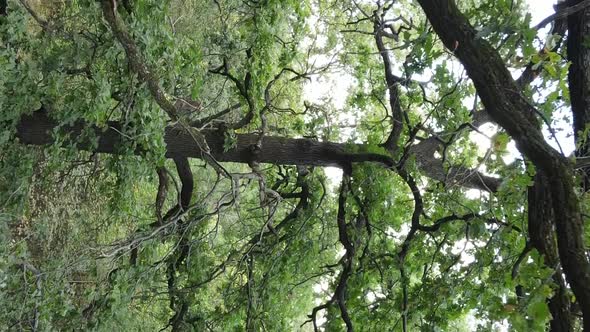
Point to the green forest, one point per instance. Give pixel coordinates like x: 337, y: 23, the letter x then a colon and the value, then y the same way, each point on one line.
x: 294, y: 165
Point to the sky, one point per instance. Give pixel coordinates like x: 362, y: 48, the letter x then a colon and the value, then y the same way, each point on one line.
x: 540, y: 9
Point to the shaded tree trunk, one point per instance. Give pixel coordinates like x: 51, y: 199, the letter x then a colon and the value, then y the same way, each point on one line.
x: 578, y: 53
x: 509, y: 108
x: 37, y: 129
x: 541, y: 219
x: 542, y: 237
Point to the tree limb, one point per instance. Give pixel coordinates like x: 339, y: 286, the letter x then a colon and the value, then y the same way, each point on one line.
x: 37, y: 128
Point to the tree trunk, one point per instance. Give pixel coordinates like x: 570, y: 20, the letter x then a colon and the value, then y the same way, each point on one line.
x: 541, y: 234
x: 36, y: 129
x: 578, y: 53
x: 509, y: 108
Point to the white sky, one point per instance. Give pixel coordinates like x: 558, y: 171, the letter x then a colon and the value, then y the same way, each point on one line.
x: 540, y: 9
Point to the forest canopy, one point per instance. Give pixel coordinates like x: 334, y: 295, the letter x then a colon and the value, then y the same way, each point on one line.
x: 283, y: 165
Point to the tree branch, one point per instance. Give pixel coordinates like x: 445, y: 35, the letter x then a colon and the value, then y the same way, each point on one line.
x: 562, y: 13
x: 149, y: 76
x: 392, y: 86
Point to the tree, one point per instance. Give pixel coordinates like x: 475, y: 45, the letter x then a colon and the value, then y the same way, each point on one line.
x: 429, y: 228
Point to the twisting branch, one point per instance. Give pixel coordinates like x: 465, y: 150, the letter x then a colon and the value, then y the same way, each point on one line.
x: 186, y: 190
x: 162, y: 193
x: 149, y: 76
x: 340, y: 293
x: 302, y: 205
x: 178, y: 301
x: 43, y: 23
x: 136, y: 61
x: 466, y: 217
x: 175, y: 213
x: 186, y: 178
x: 246, y: 251
x: 243, y: 88
x: 392, y: 84
x: 563, y: 13
x: 250, y: 291
x: 405, y: 247
x: 347, y: 262
x: 516, y: 268
x: 206, y: 120
x: 533, y: 70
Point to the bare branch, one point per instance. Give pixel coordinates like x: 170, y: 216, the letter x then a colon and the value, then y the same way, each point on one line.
x: 562, y: 13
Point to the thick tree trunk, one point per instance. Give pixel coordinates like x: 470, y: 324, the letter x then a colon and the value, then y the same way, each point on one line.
x: 542, y: 237
x: 506, y: 105
x: 36, y: 129
x: 541, y: 219
x: 578, y: 53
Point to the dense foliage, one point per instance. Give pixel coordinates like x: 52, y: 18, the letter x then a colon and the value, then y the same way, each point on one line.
x: 429, y: 220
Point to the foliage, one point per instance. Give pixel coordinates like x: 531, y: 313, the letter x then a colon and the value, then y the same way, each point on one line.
x: 69, y: 216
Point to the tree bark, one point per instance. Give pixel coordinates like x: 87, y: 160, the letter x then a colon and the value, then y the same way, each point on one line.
x: 506, y: 105
x: 542, y: 237
x: 36, y: 129
x: 578, y: 53
x: 541, y: 219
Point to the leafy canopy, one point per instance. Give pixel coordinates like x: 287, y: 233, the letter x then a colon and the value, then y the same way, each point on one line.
x: 267, y: 247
